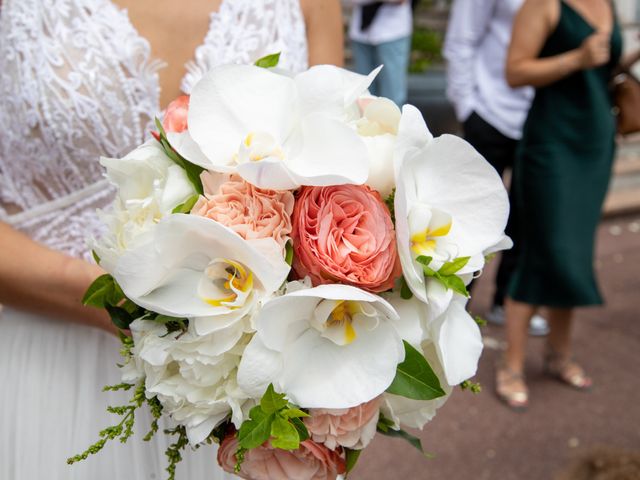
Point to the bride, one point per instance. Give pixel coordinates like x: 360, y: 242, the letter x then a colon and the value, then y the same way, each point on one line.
x: 80, y: 79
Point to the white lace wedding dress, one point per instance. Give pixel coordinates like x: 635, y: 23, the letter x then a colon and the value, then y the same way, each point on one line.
x: 76, y: 82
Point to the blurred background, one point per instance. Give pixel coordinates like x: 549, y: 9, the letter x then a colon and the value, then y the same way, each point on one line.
x: 565, y: 434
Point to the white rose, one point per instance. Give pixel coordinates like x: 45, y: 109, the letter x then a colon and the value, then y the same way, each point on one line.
x: 149, y: 186
x: 193, y: 376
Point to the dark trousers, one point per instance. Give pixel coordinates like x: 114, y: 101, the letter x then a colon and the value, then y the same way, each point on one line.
x: 500, y: 152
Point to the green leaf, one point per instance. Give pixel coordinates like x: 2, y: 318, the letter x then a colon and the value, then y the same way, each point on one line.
x: 405, y: 291
x: 257, y: 430
x: 268, y: 61
x: 293, y: 412
x: 120, y: 317
x: 414, y: 441
x: 424, y: 260
x: 192, y: 170
x: 284, y: 435
x: 415, y: 378
x: 97, y: 293
x: 352, y: 458
x: 455, y: 283
x: 450, y: 268
x: 288, y: 256
x: 187, y: 205
x: 384, y: 423
x: 115, y: 296
x: 95, y: 256
x: 303, y: 433
x: 271, y: 401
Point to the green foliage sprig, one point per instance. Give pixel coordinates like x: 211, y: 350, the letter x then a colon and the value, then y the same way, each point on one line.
x: 274, y: 419
x: 122, y: 430
x: 174, y: 451
x: 446, y: 275
x: 473, y: 387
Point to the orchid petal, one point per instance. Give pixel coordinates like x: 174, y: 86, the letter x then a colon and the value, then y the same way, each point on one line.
x: 234, y: 100
x: 164, y: 275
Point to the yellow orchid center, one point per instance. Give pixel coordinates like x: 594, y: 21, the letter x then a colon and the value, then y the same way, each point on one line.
x: 342, y: 316
x: 238, y: 281
x: 424, y: 242
x: 260, y: 145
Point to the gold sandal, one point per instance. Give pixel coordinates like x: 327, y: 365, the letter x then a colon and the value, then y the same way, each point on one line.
x: 511, y: 388
x: 566, y: 370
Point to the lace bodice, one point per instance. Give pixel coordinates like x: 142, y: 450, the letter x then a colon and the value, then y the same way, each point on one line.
x: 77, y: 81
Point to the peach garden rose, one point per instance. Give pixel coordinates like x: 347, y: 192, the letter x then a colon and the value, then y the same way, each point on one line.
x: 247, y: 210
x: 311, y: 461
x: 349, y: 427
x: 344, y: 234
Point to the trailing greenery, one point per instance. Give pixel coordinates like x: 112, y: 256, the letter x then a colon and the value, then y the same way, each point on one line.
x: 474, y: 387
x: 123, y: 430
x: 174, y: 451
x: 415, y: 378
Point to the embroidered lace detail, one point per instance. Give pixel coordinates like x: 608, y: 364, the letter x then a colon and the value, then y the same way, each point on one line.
x: 77, y: 81
x: 242, y: 31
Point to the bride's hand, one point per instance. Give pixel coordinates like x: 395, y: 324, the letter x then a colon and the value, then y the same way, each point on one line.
x: 37, y: 279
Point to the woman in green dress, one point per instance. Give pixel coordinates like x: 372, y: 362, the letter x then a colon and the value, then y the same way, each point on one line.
x: 568, y: 51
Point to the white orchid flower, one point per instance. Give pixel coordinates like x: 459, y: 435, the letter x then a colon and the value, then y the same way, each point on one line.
x: 454, y: 334
x: 277, y: 132
x: 378, y: 128
x: 196, y: 268
x: 450, y: 203
x: 150, y: 186
x: 332, y: 346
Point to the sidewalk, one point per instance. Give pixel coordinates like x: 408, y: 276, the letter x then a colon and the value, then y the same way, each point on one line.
x: 474, y: 437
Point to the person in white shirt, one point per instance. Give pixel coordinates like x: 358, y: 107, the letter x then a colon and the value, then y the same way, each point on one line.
x: 380, y: 34
x: 491, y: 112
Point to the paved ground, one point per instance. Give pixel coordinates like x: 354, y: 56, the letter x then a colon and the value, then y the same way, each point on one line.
x: 475, y: 438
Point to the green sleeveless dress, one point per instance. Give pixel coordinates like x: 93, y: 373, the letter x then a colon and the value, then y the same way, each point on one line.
x: 562, y: 173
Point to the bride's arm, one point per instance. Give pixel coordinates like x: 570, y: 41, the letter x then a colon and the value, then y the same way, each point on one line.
x: 40, y: 280
x: 323, y: 19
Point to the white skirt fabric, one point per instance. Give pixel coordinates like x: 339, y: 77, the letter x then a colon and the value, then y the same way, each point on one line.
x: 52, y: 407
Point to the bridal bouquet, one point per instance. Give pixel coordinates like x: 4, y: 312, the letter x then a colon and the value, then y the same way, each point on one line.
x: 291, y: 258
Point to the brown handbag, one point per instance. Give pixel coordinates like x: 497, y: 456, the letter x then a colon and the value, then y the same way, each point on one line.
x: 626, y: 97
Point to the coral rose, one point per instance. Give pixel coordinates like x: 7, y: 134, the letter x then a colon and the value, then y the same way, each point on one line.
x: 349, y: 427
x: 175, y: 116
x: 311, y: 461
x: 247, y: 210
x: 344, y: 234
